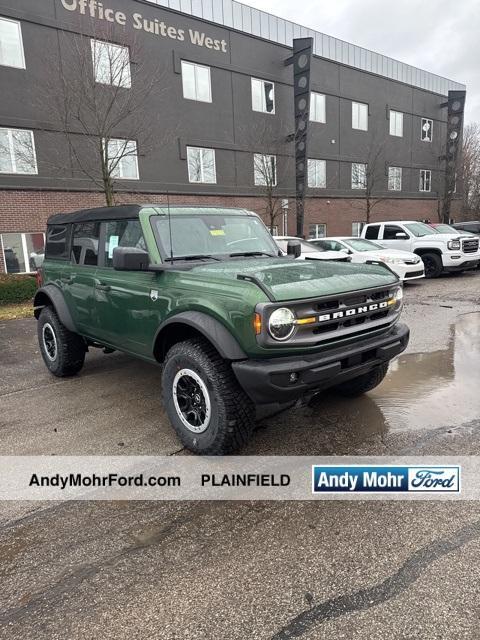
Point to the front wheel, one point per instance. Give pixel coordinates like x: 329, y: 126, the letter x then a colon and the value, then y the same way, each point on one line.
x: 362, y: 384
x: 207, y: 407
x: 433, y: 265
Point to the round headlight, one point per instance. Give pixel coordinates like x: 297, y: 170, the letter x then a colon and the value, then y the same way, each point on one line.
x: 281, y: 324
x: 398, y: 295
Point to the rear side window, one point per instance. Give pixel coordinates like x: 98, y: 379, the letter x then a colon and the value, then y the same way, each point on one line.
x: 122, y: 233
x: 372, y: 232
x: 57, y: 242
x: 85, y: 243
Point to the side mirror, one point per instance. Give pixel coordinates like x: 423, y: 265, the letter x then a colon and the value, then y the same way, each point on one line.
x: 294, y: 248
x: 401, y: 235
x: 130, y: 259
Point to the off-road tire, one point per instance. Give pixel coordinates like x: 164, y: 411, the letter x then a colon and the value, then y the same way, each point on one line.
x: 232, y: 416
x: 433, y: 265
x: 70, y: 347
x: 362, y: 384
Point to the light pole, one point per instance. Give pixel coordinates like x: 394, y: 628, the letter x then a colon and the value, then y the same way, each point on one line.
x: 285, y: 216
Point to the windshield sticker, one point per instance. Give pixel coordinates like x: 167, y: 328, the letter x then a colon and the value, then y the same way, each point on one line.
x: 217, y: 232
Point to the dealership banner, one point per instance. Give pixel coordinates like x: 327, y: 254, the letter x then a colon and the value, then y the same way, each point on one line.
x: 187, y: 477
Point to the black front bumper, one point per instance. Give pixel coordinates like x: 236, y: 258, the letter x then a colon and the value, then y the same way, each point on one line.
x: 462, y: 266
x: 267, y: 381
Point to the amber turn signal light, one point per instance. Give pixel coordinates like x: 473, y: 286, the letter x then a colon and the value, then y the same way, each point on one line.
x: 257, y: 323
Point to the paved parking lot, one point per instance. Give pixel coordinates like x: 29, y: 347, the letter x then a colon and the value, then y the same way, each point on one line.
x: 229, y: 571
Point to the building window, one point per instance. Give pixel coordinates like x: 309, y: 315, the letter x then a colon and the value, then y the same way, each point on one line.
x: 11, y: 44
x: 201, y: 165
x: 196, y: 82
x: 426, y: 130
x: 17, y: 151
x: 263, y: 96
x: 425, y: 180
x: 111, y: 64
x: 317, y: 107
x: 265, y: 170
x: 317, y: 174
x: 360, y: 116
x: 396, y: 123
x: 357, y: 228
x: 123, y: 159
x: 359, y: 175
x: 317, y: 231
x: 394, y: 178
x: 22, y: 252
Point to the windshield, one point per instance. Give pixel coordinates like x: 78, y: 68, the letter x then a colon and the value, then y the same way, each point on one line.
x: 419, y: 229
x: 212, y: 234
x: 308, y: 247
x: 446, y: 228
x: 362, y: 245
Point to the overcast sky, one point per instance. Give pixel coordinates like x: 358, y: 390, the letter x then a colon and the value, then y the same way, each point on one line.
x: 441, y: 36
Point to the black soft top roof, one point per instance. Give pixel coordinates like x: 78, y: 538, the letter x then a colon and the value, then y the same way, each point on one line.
x: 125, y: 211
x: 129, y: 211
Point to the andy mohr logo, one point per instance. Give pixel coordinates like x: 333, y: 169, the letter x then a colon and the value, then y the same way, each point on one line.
x: 384, y: 478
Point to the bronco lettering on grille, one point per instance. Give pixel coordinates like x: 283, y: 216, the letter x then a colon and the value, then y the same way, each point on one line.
x: 353, y: 312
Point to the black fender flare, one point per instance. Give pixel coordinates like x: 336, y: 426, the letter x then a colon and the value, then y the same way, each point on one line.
x: 213, y: 330
x: 50, y: 293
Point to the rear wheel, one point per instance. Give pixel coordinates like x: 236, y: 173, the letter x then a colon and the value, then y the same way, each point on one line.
x: 362, y: 384
x: 433, y: 265
x: 62, y: 350
x: 207, y: 407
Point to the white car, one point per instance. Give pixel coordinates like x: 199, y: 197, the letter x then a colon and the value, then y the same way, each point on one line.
x: 407, y: 265
x: 440, y: 252
x: 309, y: 251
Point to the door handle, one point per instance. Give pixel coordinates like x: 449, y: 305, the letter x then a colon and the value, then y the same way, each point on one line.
x: 102, y: 287
x: 67, y: 279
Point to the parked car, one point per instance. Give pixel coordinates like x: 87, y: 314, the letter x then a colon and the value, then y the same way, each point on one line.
x: 440, y: 252
x: 441, y: 227
x: 203, y: 292
x: 309, y: 251
x: 36, y: 259
x: 471, y: 226
x: 407, y: 265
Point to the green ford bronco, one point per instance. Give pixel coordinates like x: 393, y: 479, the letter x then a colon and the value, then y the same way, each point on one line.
x: 206, y: 292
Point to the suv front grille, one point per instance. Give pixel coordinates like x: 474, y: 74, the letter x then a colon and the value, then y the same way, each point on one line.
x: 470, y: 245
x: 341, y: 317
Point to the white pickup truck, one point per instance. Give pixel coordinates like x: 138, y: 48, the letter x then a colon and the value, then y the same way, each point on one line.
x: 439, y: 251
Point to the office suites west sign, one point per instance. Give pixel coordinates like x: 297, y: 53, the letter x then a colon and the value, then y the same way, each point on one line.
x: 98, y: 11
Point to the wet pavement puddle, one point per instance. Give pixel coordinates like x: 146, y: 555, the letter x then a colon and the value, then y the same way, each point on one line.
x: 439, y: 388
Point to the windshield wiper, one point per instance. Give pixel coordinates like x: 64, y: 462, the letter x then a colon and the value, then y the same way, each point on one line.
x: 197, y: 257
x: 251, y: 253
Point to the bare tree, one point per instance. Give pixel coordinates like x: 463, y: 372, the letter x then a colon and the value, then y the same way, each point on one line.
x: 369, y: 176
x: 272, y: 167
x: 470, y: 170
x: 100, y: 107
x: 265, y: 171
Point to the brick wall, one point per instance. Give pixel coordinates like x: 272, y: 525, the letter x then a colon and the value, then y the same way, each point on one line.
x: 27, y: 211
